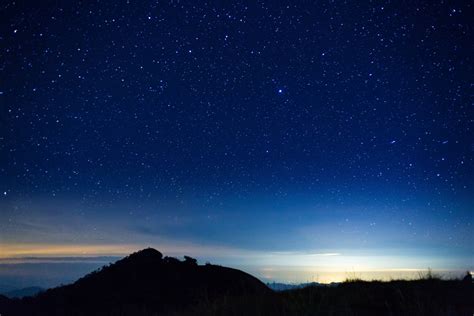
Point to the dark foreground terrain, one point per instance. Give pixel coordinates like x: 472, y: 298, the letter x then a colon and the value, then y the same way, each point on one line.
x: 145, y: 283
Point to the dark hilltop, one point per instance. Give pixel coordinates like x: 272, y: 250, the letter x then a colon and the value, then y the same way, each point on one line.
x: 146, y: 283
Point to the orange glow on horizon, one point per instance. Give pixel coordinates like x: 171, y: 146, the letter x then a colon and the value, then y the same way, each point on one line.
x: 60, y: 250
x: 319, y: 267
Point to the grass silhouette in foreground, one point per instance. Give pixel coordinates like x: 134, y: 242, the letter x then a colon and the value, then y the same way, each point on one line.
x: 430, y: 296
x: 146, y: 283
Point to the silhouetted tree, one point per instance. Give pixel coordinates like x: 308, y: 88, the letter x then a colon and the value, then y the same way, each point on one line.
x: 468, y: 277
x: 190, y: 261
x: 171, y: 260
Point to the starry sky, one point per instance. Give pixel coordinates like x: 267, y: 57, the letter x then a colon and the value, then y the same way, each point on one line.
x: 276, y: 137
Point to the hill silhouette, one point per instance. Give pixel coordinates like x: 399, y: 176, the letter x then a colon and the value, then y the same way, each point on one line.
x: 145, y: 282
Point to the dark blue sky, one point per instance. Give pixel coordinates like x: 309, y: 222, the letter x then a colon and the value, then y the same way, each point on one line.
x: 333, y: 128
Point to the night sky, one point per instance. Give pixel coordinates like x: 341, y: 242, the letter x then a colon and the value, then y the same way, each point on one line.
x: 326, y: 137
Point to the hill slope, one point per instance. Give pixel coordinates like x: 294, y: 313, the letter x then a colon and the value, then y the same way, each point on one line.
x: 142, y: 283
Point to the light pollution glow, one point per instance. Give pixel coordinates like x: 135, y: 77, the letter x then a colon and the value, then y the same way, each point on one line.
x: 321, y: 266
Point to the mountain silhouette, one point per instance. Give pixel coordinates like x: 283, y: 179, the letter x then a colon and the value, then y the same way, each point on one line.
x: 27, y: 291
x: 144, y: 283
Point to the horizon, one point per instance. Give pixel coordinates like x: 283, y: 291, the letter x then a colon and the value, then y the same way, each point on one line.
x: 300, y: 141
x: 71, y: 268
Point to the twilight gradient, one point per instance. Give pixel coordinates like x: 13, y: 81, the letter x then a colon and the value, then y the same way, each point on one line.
x: 295, y: 141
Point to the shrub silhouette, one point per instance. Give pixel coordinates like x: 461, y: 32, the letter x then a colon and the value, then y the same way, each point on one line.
x: 190, y: 261
x: 467, y: 278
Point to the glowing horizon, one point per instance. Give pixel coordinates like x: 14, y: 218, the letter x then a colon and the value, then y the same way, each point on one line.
x: 255, y: 136
x: 323, y: 261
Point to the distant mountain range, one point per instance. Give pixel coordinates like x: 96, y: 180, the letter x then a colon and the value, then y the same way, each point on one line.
x: 288, y: 286
x: 27, y: 291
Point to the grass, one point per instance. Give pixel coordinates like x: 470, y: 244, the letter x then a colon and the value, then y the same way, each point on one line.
x: 429, y: 294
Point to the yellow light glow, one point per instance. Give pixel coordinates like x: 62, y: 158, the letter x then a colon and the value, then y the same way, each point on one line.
x: 59, y: 250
